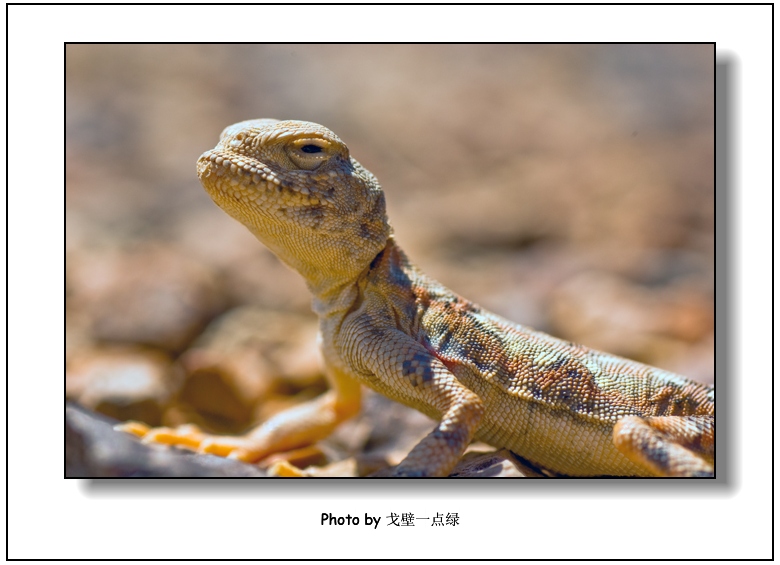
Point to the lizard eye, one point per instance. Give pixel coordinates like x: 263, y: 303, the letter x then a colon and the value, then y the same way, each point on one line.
x: 308, y: 154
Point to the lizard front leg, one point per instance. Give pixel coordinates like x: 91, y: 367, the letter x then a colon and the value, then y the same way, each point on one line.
x: 668, y: 446
x: 292, y: 428
x: 403, y: 369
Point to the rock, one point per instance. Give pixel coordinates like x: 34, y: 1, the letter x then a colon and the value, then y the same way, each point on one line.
x: 94, y: 449
x: 286, y: 340
x: 501, y: 463
x: 479, y: 465
x: 126, y: 383
x: 222, y: 389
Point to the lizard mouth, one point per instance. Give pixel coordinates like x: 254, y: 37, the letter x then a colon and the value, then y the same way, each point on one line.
x: 232, y: 178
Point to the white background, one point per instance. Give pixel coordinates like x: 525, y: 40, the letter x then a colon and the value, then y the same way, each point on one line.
x: 50, y: 517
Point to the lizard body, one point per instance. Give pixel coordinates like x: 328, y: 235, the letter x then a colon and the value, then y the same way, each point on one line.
x: 383, y: 323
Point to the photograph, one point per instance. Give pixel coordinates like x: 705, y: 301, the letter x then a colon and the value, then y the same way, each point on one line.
x: 372, y: 261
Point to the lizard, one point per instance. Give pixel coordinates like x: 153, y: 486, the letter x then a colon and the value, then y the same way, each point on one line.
x: 384, y: 324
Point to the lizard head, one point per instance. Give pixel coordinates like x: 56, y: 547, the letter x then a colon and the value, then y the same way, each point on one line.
x: 295, y: 186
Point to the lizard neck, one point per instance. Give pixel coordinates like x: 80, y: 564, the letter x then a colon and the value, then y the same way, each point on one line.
x: 333, y: 298
x: 337, y: 297
x: 334, y: 267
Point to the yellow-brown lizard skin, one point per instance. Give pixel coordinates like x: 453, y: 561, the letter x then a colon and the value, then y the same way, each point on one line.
x: 383, y: 323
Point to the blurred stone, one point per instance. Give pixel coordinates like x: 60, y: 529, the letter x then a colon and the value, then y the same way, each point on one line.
x: 127, y: 383
x: 249, y: 273
x: 696, y: 361
x: 223, y: 386
x: 76, y: 450
x: 150, y: 294
x: 286, y: 341
x: 609, y: 313
x: 77, y: 333
x: 246, y: 359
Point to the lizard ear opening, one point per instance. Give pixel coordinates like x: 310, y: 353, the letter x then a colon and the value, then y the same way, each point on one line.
x: 308, y: 154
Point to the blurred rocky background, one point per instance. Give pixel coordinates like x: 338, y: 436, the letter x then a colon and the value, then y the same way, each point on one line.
x: 569, y: 188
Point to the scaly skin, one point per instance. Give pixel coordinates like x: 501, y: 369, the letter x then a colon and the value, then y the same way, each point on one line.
x: 383, y: 323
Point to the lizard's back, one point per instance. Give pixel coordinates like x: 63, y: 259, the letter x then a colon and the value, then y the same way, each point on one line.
x: 551, y: 400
